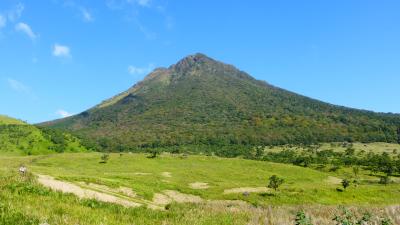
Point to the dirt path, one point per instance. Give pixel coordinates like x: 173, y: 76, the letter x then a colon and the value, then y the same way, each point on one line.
x: 67, y: 187
x: 166, y: 174
x: 333, y: 180
x: 199, y: 185
x: 246, y: 189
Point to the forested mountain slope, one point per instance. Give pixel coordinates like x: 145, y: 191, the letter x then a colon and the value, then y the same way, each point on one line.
x: 202, y: 101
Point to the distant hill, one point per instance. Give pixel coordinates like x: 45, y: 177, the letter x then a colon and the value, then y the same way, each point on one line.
x: 200, y: 101
x: 18, y: 137
x: 8, y: 120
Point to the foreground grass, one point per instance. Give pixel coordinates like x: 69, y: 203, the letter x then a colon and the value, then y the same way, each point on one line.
x: 23, y: 201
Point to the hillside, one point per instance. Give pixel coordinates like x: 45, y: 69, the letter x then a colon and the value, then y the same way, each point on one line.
x: 18, y: 137
x: 200, y: 101
x: 8, y: 120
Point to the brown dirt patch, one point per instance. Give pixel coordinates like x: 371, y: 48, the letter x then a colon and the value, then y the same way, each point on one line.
x: 199, y: 185
x: 246, y: 189
x: 166, y: 174
x: 71, y: 188
x: 333, y: 180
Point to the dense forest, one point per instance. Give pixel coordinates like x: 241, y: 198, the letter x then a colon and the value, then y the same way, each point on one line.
x: 203, y: 102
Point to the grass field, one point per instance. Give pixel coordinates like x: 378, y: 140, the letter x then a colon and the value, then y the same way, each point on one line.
x: 390, y: 148
x: 219, y: 180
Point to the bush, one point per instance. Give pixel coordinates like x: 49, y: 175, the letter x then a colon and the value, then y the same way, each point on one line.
x: 347, y: 218
x: 104, y: 158
x: 345, y: 183
x: 384, y: 180
x: 302, y: 219
x: 275, y: 182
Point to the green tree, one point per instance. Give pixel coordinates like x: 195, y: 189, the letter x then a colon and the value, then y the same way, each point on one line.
x: 398, y: 135
x: 153, y: 153
x: 384, y: 180
x: 345, y: 183
x: 275, y: 182
x: 356, y: 171
x: 105, y: 157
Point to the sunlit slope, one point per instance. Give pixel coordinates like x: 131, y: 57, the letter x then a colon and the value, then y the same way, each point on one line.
x: 200, y: 101
x: 18, y: 137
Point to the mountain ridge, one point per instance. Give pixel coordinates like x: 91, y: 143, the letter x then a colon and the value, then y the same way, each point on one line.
x: 200, y: 100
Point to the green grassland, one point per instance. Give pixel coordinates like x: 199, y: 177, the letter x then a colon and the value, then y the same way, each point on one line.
x: 9, y: 120
x: 27, y: 202
x: 302, y: 185
x: 20, y: 138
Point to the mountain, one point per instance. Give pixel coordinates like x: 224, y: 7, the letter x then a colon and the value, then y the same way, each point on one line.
x: 18, y: 137
x: 201, y: 101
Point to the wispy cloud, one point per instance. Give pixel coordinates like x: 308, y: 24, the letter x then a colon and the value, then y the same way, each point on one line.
x: 132, y: 10
x: 150, y: 35
x: 140, y: 70
x: 61, y: 51
x: 10, y: 16
x: 26, y: 29
x: 87, y: 16
x: 18, y: 86
x: 63, y: 114
x: 3, y: 21
x: 144, y: 3
x: 15, y: 13
x: 84, y: 12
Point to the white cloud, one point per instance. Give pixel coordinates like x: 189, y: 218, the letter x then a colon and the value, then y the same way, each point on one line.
x: 140, y: 70
x: 61, y: 51
x: 87, y: 16
x: 62, y: 113
x: 25, y: 28
x: 150, y: 35
x: 3, y: 21
x: 18, y: 86
x: 15, y: 13
x: 144, y: 2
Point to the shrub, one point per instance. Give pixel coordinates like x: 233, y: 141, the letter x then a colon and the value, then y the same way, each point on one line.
x: 384, y: 180
x: 105, y: 157
x: 347, y: 218
x: 345, y: 183
x: 275, y: 182
x: 302, y: 219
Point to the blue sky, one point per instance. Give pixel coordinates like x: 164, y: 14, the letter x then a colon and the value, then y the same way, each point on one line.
x: 60, y: 57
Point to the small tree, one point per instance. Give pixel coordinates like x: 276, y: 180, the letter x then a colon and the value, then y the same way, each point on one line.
x: 105, y: 157
x: 345, y: 183
x: 153, y: 153
x: 384, y: 180
x: 356, y: 171
x: 259, y: 152
x: 275, y: 182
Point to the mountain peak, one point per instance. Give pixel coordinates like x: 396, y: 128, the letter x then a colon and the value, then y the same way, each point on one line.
x: 189, y: 61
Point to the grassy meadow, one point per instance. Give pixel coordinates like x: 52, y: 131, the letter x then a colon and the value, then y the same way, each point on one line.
x: 304, y: 188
